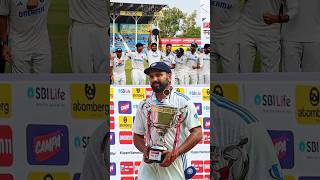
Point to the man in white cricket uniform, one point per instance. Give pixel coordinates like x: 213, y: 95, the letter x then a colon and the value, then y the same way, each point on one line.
x: 257, y: 32
x: 88, y: 36
x: 168, y: 58
x: 174, y: 163
x: 241, y: 147
x: 192, y: 64
x: 301, y: 39
x: 225, y: 34
x: 28, y: 48
x: 154, y: 54
x: 117, y: 65
x: 204, y: 64
x: 180, y: 68
x: 138, y: 58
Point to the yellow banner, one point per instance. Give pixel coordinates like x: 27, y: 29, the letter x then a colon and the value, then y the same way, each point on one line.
x: 130, y: 13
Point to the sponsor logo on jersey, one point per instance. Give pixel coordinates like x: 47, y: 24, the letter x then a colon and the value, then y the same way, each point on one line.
x: 125, y: 122
x: 5, y: 101
x: 89, y: 101
x: 47, y: 145
x: 124, y: 107
x: 49, y: 176
x: 45, y: 96
x: 198, y: 108
x: 31, y: 12
x: 125, y: 137
x: 126, y: 168
x: 6, y: 177
x: 138, y: 93
x: 6, y: 146
x: 229, y: 91
x: 283, y: 142
x: 113, y: 169
x: 307, y: 104
x: 221, y: 4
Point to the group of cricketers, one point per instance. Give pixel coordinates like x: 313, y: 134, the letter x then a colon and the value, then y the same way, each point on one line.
x: 285, y: 34
x: 187, y: 67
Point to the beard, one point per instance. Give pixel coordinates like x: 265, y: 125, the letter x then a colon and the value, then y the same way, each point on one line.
x: 159, y: 87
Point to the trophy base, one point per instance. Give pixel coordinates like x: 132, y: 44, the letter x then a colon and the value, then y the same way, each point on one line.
x: 156, y: 155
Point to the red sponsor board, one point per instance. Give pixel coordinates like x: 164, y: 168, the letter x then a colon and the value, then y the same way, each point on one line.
x: 148, y: 92
x: 197, y: 177
x: 125, y: 137
x: 127, y: 178
x: 111, y: 122
x: 6, y: 146
x: 136, y: 167
x: 184, y: 41
x: 111, y: 107
x: 198, y: 164
x: 126, y: 168
x: 206, y: 177
x: 206, y: 137
x: 6, y: 177
x: 206, y: 166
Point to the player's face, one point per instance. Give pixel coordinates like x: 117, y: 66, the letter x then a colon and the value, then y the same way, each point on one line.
x: 140, y: 49
x: 159, y: 80
x: 193, y: 48
x: 119, y: 54
x: 168, y: 49
x: 208, y: 50
x: 154, y: 47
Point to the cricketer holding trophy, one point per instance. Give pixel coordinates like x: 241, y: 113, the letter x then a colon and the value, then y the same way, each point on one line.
x: 166, y: 127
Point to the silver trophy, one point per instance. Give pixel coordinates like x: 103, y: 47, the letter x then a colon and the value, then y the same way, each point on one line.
x: 163, y: 118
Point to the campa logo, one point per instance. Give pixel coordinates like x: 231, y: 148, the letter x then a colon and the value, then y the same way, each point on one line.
x: 89, y: 101
x: 5, y: 101
x: 48, y: 176
x: 6, y: 146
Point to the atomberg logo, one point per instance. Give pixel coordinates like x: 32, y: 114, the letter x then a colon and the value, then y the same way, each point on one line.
x: 82, y: 142
x: 48, y: 176
x: 125, y: 137
x: 307, y: 105
x: 199, y: 108
x: 47, y: 144
x: 283, y: 142
x: 125, y: 122
x: 126, y: 168
x: 138, y: 93
x: 206, y: 123
x: 6, y: 177
x: 113, y: 169
x: 230, y: 91
x: 112, y: 139
x: 5, y: 101
x: 6, y: 146
x: 124, y: 107
x: 205, y: 94
x: 198, y: 164
x: 89, y: 101
x: 181, y: 90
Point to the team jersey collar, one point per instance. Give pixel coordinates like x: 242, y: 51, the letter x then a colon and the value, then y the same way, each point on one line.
x: 163, y: 101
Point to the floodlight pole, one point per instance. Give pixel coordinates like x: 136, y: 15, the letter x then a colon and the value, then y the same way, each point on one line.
x: 114, y: 18
x: 136, y: 19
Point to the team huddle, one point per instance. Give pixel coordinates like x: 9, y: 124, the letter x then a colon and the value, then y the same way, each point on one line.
x: 190, y: 67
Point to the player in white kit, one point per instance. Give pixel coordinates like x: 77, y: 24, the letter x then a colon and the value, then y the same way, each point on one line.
x: 241, y: 147
x: 180, y: 68
x: 225, y: 34
x: 88, y: 36
x: 27, y: 47
x: 117, y: 66
x: 178, y: 144
x: 138, y: 58
x: 168, y: 58
x: 257, y: 34
x: 192, y: 63
x: 204, y: 64
x: 301, y: 39
x: 154, y: 53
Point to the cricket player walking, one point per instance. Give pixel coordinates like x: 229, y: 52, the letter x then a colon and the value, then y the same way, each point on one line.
x: 138, y: 58
x: 27, y: 48
x: 88, y: 36
x: 241, y: 148
x: 204, y: 64
x: 301, y: 39
x: 189, y: 133
x: 260, y: 30
x: 192, y: 61
x: 225, y: 34
x: 117, y: 66
x: 180, y: 68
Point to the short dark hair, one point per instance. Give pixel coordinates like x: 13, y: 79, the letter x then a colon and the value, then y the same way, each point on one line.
x: 169, y: 45
x: 139, y: 45
x: 206, y: 46
x: 153, y: 44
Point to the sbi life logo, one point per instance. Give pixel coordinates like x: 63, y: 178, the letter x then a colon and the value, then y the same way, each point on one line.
x: 46, y: 93
x: 271, y: 100
x: 309, y: 146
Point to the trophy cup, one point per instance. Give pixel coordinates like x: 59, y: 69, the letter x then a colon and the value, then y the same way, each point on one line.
x: 162, y: 118
x: 155, y: 34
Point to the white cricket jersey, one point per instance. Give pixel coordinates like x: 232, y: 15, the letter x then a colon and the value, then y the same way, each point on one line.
x: 180, y: 64
x: 204, y: 63
x: 89, y: 11
x: 225, y: 17
x: 233, y: 125
x: 192, y: 60
x: 27, y: 28
x: 154, y: 56
x: 137, y: 60
x: 254, y: 9
x: 305, y: 27
x: 175, y: 99
x: 118, y: 68
x: 168, y: 59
